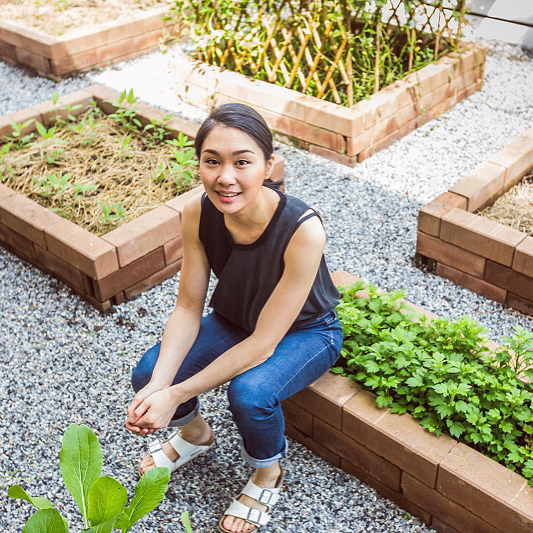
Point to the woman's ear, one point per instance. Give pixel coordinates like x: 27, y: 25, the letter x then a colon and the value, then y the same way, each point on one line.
x: 270, y: 166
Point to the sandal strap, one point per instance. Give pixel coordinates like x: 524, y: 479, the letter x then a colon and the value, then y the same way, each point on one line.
x: 251, y: 515
x: 266, y: 496
x: 158, y: 455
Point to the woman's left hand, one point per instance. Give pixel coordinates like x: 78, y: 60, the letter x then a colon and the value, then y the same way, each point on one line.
x: 155, y: 411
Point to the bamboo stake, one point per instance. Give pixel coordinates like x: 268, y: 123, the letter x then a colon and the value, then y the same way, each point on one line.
x: 350, y: 77
x: 378, y: 45
x: 412, y: 35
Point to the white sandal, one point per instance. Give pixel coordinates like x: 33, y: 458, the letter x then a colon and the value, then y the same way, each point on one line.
x: 266, y: 496
x: 184, y: 449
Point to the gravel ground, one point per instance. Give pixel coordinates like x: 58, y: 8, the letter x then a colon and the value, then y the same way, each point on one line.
x: 62, y: 362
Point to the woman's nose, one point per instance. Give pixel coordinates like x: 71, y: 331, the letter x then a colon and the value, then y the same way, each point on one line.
x: 227, y: 175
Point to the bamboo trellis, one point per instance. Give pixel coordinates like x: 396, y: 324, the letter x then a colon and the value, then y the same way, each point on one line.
x: 326, y: 48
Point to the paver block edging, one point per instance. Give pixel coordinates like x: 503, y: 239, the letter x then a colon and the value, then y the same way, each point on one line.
x: 427, y: 463
x: 466, y: 247
x: 79, y: 49
x: 118, y: 265
x: 354, y: 133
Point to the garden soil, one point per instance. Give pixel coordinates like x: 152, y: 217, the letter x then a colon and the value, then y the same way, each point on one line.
x: 58, y: 17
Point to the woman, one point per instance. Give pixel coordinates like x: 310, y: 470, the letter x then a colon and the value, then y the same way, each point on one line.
x: 273, y: 329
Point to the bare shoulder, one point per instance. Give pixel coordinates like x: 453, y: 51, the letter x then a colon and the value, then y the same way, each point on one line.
x: 308, y: 239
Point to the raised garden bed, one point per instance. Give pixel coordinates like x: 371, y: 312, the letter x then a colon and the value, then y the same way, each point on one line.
x: 345, y: 135
x: 120, y: 264
x: 483, y: 255
x: 84, y: 47
x: 448, y: 485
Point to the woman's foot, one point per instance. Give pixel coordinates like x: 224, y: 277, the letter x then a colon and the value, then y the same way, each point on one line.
x: 198, y: 434
x: 264, y: 477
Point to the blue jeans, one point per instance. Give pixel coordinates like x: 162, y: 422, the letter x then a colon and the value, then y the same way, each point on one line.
x: 255, y: 396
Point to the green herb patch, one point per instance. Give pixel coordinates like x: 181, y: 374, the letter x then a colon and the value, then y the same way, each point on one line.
x: 442, y: 373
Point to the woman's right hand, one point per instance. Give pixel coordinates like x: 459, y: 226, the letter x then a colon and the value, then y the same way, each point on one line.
x: 141, y: 395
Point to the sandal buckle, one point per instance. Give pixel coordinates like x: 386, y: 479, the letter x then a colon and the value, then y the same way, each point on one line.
x: 265, y: 497
x: 258, y: 514
x: 155, y: 446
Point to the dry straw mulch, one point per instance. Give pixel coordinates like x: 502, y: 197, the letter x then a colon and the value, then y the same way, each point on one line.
x: 96, y: 164
x: 58, y: 17
x: 515, y: 207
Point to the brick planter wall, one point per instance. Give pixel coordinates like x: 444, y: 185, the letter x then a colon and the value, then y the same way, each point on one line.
x: 446, y: 484
x: 346, y: 135
x: 119, y: 265
x: 84, y: 48
x: 487, y: 257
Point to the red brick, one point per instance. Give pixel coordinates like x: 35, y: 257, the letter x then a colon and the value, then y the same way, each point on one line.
x: 519, y: 303
x: 355, y: 145
x: 5, y: 127
x: 147, y: 39
x: 179, y: 202
x: 341, y: 277
x: 389, y: 139
x: 430, y: 215
x: 313, y: 445
x: 523, y: 259
x: 22, y: 116
x: 387, y: 492
x: 517, y: 158
x: 436, y: 97
x: 102, y: 94
x: 325, y: 397
x: 398, y: 438
x: 136, y: 24
x: 113, y: 49
x: 431, y: 77
x: 470, y: 56
x: 346, y: 121
x: 20, y: 245
x: 443, y: 508
x: 153, y: 280
x: 509, y: 279
x: 74, y: 62
x: 144, y: 234
x: 103, y: 307
x: 173, y: 250
x: 178, y: 124
x: 343, y: 159
x: 487, y: 489
x: 358, y: 455
x: 8, y: 50
x: 6, y: 192
x: 475, y: 284
x: 482, y: 186
x: 379, y: 106
x: 27, y: 218
x: 398, y: 120
x: 33, y: 60
x: 298, y: 418
x: 130, y: 275
x: 461, y: 94
x: 448, y: 254
x: 88, y: 288
x: 59, y: 268
x: 480, y: 235
x: 83, y: 39
x: 119, y: 298
x: 82, y: 249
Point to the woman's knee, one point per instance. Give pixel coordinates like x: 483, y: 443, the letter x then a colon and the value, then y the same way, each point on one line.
x: 142, y: 373
x: 247, y: 393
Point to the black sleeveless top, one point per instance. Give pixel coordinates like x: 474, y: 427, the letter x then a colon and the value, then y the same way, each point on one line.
x: 248, y: 273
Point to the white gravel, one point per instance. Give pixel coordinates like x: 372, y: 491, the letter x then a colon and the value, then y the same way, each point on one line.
x: 62, y: 362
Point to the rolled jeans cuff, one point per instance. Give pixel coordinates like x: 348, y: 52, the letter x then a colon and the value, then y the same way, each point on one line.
x: 177, y: 422
x: 263, y: 463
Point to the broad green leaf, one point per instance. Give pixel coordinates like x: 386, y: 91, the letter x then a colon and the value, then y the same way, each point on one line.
x: 40, y: 128
x: 414, y: 381
x: 104, y: 527
x: 16, y: 491
x: 80, y: 462
x: 150, y: 490
x: 186, y: 521
x: 107, y: 499
x: 45, y: 521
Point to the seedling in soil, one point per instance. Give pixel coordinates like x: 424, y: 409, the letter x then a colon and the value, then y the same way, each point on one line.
x: 17, y: 138
x: 57, y: 185
x: 111, y: 213
x: 181, y: 142
x: 101, y: 499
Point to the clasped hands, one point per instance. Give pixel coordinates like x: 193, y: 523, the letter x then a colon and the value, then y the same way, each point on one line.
x: 152, y: 408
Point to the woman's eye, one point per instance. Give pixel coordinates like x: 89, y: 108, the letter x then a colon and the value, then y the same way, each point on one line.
x: 211, y: 161
x: 241, y: 162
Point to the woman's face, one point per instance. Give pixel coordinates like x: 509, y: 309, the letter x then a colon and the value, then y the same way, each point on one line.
x: 232, y: 168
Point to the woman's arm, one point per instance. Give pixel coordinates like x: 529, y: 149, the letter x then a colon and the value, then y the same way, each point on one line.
x: 302, y: 260
x: 184, y: 323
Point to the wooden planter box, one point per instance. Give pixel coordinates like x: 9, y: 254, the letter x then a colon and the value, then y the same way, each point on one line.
x: 122, y: 263
x: 92, y: 46
x: 446, y: 484
x: 346, y: 135
x: 487, y: 257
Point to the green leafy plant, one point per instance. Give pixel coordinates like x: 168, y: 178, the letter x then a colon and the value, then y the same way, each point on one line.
x: 111, y: 213
x: 442, y: 373
x: 186, y: 521
x: 101, y: 499
x: 17, y: 138
x: 55, y: 185
x: 126, y: 116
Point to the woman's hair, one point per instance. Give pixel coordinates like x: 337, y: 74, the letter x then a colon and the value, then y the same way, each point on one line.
x: 241, y: 117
